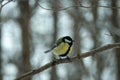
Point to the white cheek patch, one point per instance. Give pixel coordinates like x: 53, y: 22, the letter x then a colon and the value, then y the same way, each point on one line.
x: 68, y: 41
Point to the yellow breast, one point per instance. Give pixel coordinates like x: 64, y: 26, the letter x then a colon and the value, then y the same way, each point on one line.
x: 61, y: 49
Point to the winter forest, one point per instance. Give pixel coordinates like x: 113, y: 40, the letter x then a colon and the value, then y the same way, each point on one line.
x: 30, y: 27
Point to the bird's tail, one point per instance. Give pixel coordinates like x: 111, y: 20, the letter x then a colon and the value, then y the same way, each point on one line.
x: 47, y: 51
x: 50, y: 49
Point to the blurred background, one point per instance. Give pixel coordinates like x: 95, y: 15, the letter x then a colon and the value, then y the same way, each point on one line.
x: 30, y: 27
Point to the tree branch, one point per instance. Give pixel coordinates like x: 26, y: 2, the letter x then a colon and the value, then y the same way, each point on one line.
x: 61, y: 61
x: 61, y: 9
x: 2, y: 5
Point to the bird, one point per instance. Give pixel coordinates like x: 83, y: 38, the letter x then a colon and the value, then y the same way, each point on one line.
x: 62, y: 47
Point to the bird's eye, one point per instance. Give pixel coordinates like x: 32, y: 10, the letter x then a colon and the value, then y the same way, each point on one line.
x: 68, y: 41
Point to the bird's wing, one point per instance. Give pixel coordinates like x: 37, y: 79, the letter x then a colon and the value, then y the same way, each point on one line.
x: 55, y: 45
x: 50, y: 49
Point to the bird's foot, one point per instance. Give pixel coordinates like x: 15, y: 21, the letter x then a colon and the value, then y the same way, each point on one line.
x: 68, y: 58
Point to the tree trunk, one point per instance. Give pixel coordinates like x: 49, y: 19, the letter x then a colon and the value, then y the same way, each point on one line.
x: 116, y: 36
x: 0, y: 48
x: 95, y: 33
x: 24, y: 20
x: 53, y: 72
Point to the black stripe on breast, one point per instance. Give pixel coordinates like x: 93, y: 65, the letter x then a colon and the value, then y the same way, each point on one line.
x: 66, y: 52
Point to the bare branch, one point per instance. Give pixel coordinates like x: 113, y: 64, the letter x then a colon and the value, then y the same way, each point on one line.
x: 2, y: 5
x: 83, y: 55
x: 61, y: 9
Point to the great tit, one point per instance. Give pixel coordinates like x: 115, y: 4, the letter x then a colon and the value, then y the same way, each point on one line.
x: 62, y: 46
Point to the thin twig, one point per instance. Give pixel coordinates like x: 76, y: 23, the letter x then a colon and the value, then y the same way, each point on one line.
x: 6, y: 3
x: 61, y: 9
x: 83, y: 55
x: 2, y: 5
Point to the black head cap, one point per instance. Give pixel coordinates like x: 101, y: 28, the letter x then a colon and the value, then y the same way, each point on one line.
x: 68, y: 39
